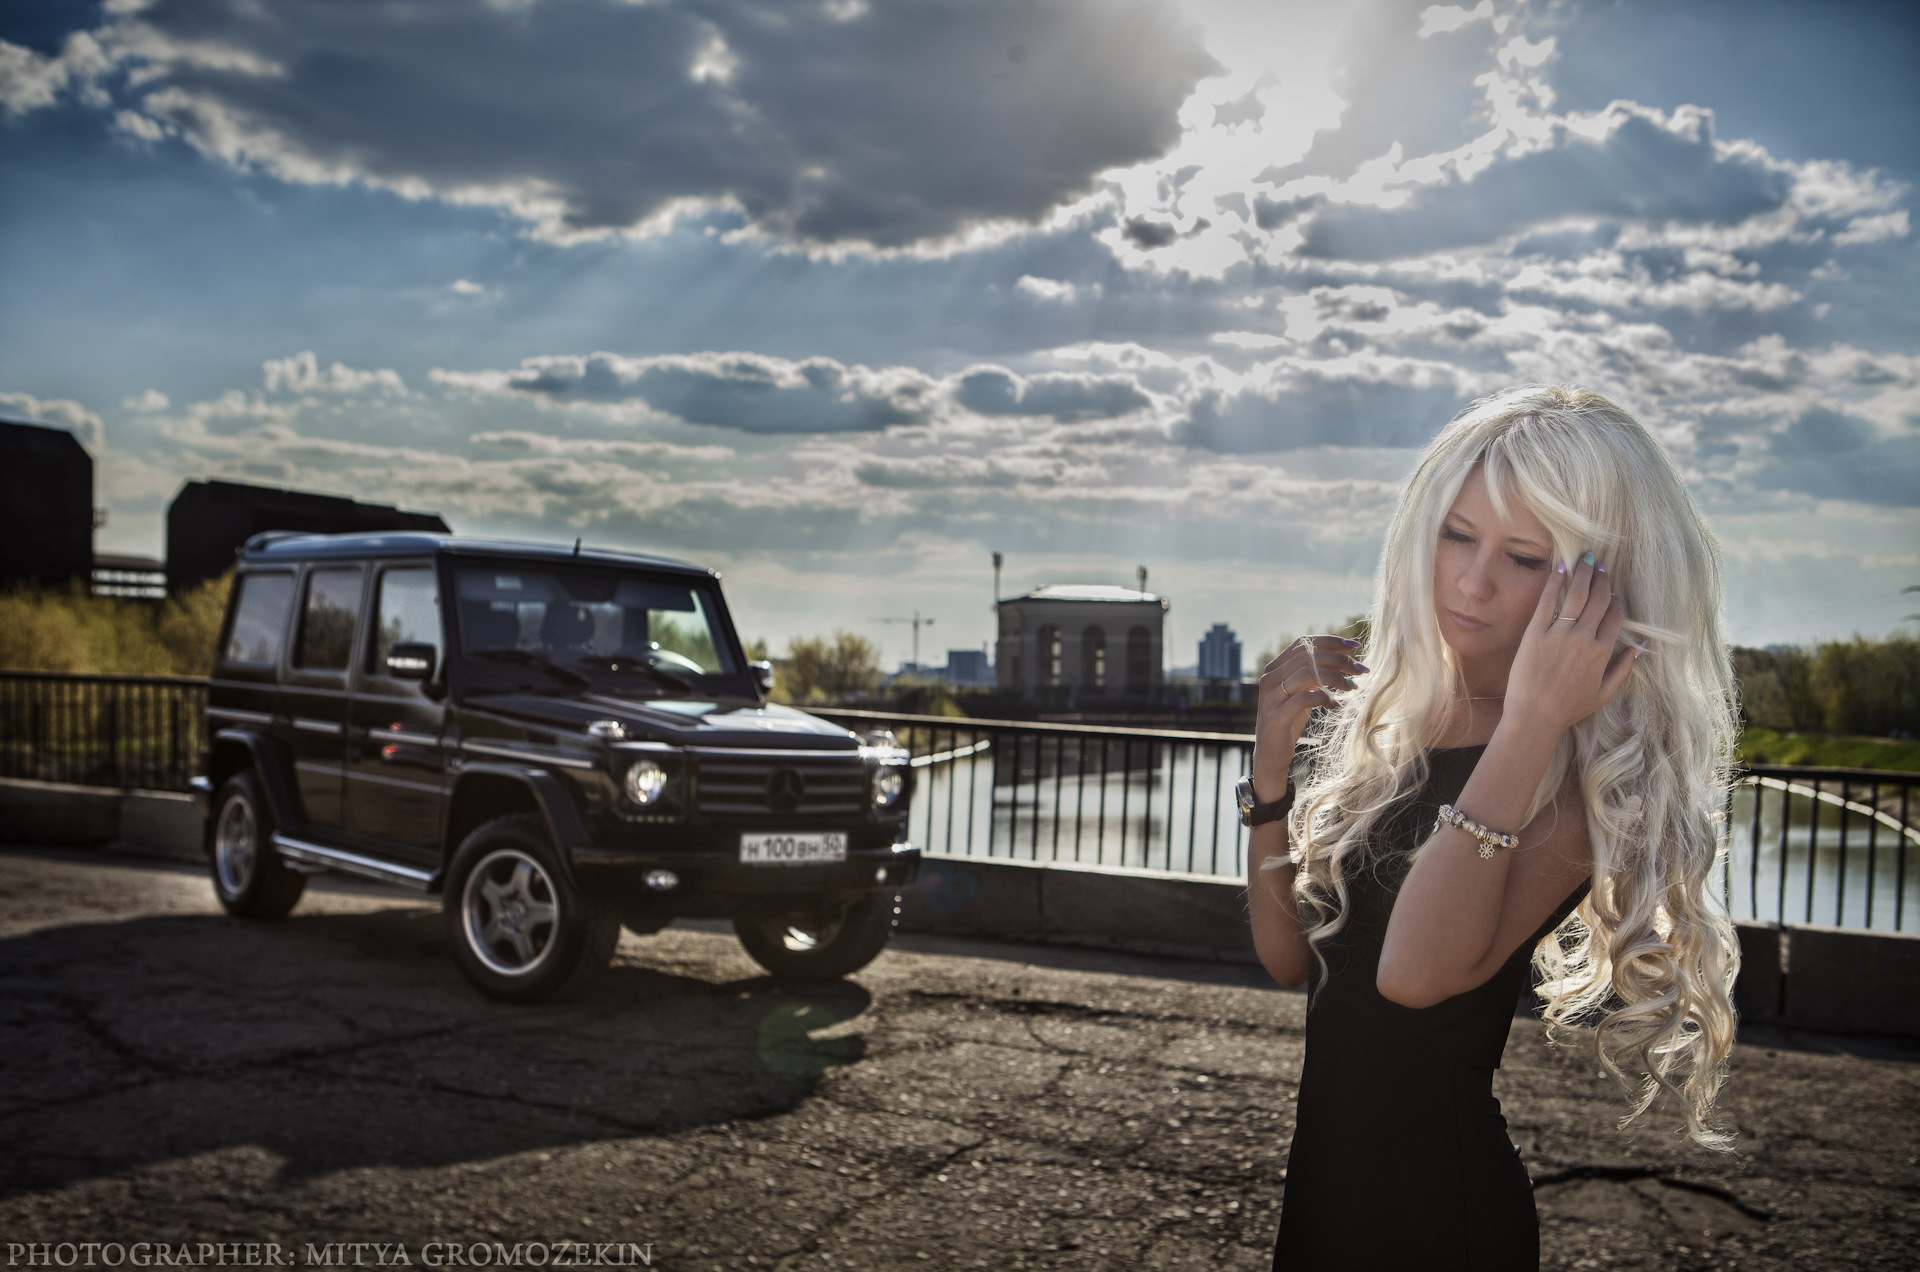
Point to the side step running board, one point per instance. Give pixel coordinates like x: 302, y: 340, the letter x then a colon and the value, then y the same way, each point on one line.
x: 299, y: 852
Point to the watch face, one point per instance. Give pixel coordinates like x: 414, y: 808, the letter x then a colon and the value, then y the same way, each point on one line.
x: 1243, y: 794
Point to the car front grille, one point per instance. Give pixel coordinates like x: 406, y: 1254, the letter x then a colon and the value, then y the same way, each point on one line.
x: 768, y: 786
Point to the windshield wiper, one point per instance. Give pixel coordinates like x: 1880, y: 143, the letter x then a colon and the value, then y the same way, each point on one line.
x: 533, y: 658
x: 659, y: 673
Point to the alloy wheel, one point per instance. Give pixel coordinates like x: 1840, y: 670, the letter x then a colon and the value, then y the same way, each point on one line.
x: 509, y: 912
x: 235, y: 846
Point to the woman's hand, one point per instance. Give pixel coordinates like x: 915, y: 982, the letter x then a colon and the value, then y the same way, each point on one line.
x: 1291, y: 686
x: 1566, y: 668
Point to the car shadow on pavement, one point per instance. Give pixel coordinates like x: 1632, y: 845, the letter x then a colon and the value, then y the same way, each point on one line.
x: 341, y: 1040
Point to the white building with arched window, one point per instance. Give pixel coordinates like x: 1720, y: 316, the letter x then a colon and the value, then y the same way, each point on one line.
x: 1082, y: 645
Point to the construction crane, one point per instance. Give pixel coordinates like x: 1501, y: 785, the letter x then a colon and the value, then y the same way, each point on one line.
x: 917, y: 623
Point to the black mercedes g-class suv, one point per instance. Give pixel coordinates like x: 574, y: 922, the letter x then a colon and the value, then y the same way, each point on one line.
x: 559, y: 742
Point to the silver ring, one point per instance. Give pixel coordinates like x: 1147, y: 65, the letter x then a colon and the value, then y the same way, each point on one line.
x: 1563, y: 618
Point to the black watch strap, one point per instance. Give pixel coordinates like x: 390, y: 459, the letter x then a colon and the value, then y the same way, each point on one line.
x: 1261, y: 814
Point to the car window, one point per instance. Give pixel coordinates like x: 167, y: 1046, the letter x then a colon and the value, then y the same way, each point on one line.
x: 259, y: 619
x: 407, y: 612
x: 327, y: 620
x: 591, y: 616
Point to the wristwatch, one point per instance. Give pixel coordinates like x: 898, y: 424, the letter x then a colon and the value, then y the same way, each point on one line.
x: 1252, y: 812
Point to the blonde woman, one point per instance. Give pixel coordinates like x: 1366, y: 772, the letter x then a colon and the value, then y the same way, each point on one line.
x: 1526, y: 763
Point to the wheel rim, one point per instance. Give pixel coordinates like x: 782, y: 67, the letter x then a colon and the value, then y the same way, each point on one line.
x: 804, y: 933
x: 509, y: 913
x: 235, y: 849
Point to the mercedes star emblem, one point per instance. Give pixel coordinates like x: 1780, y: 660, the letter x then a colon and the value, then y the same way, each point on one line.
x: 785, y: 789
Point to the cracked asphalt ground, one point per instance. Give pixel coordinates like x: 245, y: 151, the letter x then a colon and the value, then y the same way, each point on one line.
x: 174, y: 1075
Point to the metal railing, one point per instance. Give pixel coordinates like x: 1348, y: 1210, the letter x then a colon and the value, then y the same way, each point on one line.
x: 1805, y: 845
x: 1826, y: 846
x: 132, y: 732
x: 1154, y: 799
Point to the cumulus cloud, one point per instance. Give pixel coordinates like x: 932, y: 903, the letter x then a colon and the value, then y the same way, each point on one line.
x: 760, y: 394
x: 746, y: 391
x: 302, y: 373
x: 997, y: 391
x: 889, y: 123
x: 1625, y: 162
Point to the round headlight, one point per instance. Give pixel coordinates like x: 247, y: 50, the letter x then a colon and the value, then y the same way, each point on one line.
x: 887, y: 785
x: 645, y: 781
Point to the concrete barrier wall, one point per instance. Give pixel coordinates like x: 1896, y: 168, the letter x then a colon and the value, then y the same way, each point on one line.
x: 1802, y: 977
x: 155, y: 823
x: 1109, y: 907
x: 1838, y: 979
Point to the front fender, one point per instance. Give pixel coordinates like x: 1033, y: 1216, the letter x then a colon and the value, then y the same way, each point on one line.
x: 545, y: 794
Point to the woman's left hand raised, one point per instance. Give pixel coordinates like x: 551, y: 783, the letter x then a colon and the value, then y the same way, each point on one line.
x: 1567, y: 667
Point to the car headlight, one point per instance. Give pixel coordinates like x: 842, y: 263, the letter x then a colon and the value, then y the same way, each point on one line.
x: 888, y: 783
x: 645, y: 782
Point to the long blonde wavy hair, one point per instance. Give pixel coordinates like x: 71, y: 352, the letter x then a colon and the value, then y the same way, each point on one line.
x: 1649, y: 954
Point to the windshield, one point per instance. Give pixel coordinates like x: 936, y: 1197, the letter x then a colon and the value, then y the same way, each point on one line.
x: 623, y: 633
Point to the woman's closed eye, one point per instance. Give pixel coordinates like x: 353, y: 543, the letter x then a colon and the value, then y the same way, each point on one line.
x: 1527, y: 562
x: 1454, y: 536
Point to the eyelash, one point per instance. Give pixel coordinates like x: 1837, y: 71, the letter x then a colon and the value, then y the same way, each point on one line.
x: 1525, y: 563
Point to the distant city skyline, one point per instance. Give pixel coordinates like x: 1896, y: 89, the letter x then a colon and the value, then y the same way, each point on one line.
x: 844, y: 303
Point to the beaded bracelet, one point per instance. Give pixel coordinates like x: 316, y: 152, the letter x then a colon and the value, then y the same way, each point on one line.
x: 1489, y: 839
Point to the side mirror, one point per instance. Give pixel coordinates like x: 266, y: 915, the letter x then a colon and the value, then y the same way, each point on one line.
x: 411, y: 661
x: 763, y: 675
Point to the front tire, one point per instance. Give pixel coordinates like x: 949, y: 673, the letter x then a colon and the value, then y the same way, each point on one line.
x: 519, y: 927
x: 248, y: 875
x: 823, y: 944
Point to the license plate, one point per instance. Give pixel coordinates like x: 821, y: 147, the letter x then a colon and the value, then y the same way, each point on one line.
x: 786, y: 850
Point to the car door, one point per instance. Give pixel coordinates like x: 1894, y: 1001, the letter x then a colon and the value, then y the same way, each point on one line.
x: 396, y: 776
x: 313, y: 694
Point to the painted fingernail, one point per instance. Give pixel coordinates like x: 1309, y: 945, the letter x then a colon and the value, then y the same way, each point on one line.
x: 1587, y: 559
x: 1361, y: 667
x: 1560, y: 568
x: 1348, y: 641
x: 1600, y: 568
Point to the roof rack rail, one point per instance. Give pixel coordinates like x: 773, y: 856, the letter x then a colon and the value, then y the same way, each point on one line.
x: 264, y: 537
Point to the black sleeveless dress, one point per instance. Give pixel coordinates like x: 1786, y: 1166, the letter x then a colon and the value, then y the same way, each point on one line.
x: 1400, y: 1154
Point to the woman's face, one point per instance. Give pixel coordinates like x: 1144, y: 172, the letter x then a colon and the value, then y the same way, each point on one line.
x: 1488, y: 572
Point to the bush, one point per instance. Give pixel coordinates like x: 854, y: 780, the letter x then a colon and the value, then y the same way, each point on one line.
x: 73, y: 631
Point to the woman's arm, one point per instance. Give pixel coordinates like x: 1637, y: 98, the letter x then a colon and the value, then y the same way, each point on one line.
x: 1291, y: 686
x: 1460, y: 916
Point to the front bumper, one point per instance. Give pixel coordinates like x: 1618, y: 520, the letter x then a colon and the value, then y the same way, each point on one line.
x: 709, y: 874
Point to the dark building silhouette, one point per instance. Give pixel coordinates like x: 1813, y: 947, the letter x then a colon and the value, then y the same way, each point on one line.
x: 46, y: 505
x: 209, y: 520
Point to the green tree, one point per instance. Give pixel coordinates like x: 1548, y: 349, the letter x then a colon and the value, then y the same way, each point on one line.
x: 835, y: 668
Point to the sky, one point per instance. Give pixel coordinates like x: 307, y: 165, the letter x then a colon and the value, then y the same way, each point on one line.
x: 840, y: 297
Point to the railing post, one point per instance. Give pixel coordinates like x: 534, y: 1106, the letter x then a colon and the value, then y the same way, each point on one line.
x: 1840, y: 878
x: 1786, y: 825
x: 1900, y: 868
x: 1873, y: 842
x: 1813, y: 844
x: 113, y: 737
